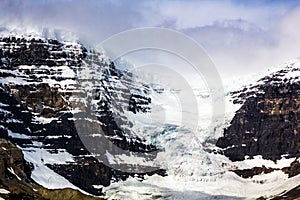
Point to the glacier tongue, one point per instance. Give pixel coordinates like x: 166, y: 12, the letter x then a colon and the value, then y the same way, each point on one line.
x: 195, y: 172
x: 195, y: 168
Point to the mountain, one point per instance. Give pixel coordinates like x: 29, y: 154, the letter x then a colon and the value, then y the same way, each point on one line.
x: 75, y: 124
x: 45, y: 92
x: 267, y: 123
x: 249, y: 160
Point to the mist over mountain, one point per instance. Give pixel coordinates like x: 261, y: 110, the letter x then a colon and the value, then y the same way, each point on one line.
x: 45, y: 96
x: 77, y: 122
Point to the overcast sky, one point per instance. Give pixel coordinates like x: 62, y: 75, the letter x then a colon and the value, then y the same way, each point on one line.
x: 240, y: 36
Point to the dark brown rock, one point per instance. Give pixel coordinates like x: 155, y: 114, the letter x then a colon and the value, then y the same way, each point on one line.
x: 266, y: 125
x: 25, y: 102
x: 293, y: 169
x: 249, y: 173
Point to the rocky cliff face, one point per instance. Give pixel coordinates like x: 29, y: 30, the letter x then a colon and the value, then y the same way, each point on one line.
x: 16, y: 183
x: 12, y: 163
x: 267, y: 124
x: 45, y: 87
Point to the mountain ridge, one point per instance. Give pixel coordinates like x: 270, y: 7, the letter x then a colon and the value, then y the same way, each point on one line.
x: 45, y: 89
x: 39, y: 81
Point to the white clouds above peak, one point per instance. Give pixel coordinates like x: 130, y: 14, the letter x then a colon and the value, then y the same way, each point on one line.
x: 189, y: 14
x: 238, y: 35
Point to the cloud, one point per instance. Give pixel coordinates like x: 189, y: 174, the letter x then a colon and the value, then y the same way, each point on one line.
x: 95, y: 20
x: 189, y: 14
x: 240, y: 39
x: 287, y: 35
x: 240, y: 36
x: 233, y: 45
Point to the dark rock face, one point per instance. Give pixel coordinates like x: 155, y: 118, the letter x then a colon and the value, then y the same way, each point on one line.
x: 12, y: 160
x: 15, y: 178
x: 293, y: 169
x: 15, y: 173
x: 38, y: 90
x: 267, y: 124
x: 289, y: 195
x: 249, y: 173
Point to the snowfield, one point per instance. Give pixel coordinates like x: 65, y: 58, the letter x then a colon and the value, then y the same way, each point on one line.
x: 194, y: 172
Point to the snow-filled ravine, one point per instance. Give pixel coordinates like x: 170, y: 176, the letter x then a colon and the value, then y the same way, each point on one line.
x: 194, y: 170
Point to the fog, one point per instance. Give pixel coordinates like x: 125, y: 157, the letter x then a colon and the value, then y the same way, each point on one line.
x: 240, y: 38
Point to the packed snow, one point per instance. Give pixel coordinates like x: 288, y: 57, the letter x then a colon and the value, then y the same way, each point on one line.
x: 42, y: 174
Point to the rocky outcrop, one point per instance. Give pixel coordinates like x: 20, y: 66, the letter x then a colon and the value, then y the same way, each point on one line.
x: 249, y: 173
x: 289, y: 195
x: 15, y: 178
x: 293, y: 169
x: 12, y: 163
x: 45, y: 87
x: 267, y: 123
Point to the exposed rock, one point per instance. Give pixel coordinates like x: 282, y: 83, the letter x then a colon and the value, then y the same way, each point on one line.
x: 12, y: 163
x: 15, y: 178
x: 293, y: 169
x: 267, y: 124
x: 43, y: 81
x: 249, y: 173
x: 65, y: 194
x: 293, y: 194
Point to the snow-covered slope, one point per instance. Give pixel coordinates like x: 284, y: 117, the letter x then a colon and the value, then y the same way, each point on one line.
x: 198, y: 170
x: 255, y: 83
x: 49, y: 90
x: 47, y: 87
